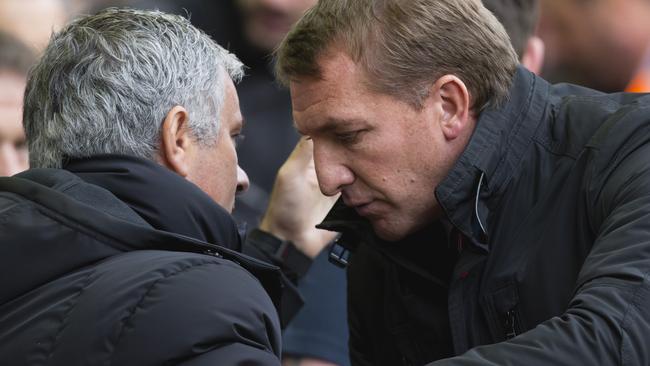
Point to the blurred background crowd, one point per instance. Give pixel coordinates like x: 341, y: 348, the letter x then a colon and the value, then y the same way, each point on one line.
x: 600, y: 44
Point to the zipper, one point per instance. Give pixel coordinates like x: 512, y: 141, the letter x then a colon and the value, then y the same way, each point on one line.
x: 510, y: 324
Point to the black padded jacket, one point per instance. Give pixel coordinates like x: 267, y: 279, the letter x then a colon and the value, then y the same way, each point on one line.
x: 84, y: 280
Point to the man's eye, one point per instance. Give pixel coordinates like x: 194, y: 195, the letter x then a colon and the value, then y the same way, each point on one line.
x: 349, y: 137
x: 237, y: 139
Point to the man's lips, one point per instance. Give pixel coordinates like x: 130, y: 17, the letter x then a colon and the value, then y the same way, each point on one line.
x: 363, y: 208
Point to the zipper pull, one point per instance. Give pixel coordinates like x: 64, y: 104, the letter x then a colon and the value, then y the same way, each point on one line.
x: 510, y: 324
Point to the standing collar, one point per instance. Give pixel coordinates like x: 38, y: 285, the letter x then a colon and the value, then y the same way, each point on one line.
x: 161, y: 197
x: 74, y: 214
x: 493, y: 156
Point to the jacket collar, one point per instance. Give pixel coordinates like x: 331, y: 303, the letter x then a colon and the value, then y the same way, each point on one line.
x: 161, y: 197
x: 493, y: 156
x: 486, y: 166
x: 75, y: 214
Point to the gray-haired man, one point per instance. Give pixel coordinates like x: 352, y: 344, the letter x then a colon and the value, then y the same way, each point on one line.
x: 118, y: 247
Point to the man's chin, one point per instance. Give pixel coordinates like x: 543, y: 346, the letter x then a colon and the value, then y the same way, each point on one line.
x: 387, y: 231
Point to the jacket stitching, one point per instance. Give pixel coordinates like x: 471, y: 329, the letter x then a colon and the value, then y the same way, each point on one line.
x: 632, y: 306
x: 138, y: 305
x: 6, y: 213
x: 68, y: 312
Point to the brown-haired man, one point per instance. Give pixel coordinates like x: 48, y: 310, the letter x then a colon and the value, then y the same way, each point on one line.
x: 493, y: 217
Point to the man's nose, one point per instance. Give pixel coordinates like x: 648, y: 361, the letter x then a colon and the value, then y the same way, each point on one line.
x: 331, y: 171
x: 242, y: 180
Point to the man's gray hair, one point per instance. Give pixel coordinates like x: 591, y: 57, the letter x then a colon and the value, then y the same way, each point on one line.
x: 106, y: 82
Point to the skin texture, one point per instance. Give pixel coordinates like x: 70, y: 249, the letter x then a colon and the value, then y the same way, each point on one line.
x: 213, y: 168
x: 383, y: 155
x: 597, y: 43
x: 13, y: 150
x: 267, y: 21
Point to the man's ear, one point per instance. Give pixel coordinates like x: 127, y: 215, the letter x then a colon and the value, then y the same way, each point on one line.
x: 533, y: 57
x: 176, y: 141
x: 454, y: 106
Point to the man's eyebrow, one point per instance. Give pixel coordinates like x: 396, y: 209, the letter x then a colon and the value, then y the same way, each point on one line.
x: 333, y: 124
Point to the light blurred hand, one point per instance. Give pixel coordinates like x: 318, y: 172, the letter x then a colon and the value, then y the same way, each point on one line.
x: 297, y: 205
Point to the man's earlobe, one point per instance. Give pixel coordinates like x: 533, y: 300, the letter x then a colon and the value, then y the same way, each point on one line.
x: 175, y: 141
x: 455, y: 106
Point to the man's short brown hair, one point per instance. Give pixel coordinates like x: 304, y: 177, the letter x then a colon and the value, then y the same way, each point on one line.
x: 404, y: 46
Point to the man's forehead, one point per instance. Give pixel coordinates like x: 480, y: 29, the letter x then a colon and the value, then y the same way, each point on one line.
x: 231, y: 110
x: 340, y: 77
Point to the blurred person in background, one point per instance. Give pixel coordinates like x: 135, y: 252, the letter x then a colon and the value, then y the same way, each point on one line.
x: 33, y: 21
x: 15, y: 60
x: 602, y: 44
x: 520, y: 18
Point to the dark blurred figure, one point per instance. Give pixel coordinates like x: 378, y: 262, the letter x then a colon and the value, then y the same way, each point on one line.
x: 15, y: 60
x: 519, y: 18
x: 601, y: 44
x: 266, y: 22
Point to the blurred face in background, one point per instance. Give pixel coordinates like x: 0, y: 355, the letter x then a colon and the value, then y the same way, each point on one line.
x: 266, y: 22
x: 32, y: 21
x: 13, y: 149
x: 597, y: 43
